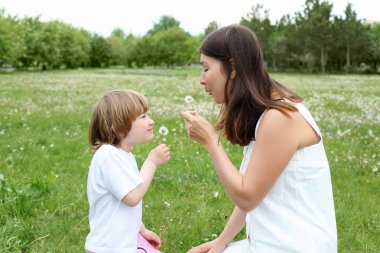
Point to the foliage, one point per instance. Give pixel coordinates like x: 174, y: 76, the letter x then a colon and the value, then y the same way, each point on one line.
x: 166, y: 22
x: 310, y: 40
x: 170, y: 47
x: 11, y: 39
x: 212, y: 26
x: 75, y: 47
x: 100, y: 53
x: 260, y: 25
x: 374, y: 34
x: 354, y: 39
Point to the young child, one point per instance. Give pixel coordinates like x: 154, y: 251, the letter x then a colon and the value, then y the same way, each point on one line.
x: 115, y: 186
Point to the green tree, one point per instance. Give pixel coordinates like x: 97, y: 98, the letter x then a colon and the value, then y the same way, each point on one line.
x: 100, y: 53
x: 118, y: 32
x: 258, y: 21
x: 172, y: 47
x: 212, y: 26
x: 74, y: 46
x: 163, y: 24
x: 11, y: 39
x: 131, y: 50
x: 34, y: 53
x: 117, y: 42
x: 277, y: 47
x: 353, y: 36
x: 50, y: 37
x: 317, y: 25
x: 374, y: 57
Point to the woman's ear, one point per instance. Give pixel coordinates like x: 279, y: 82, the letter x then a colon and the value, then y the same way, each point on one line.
x: 233, y: 72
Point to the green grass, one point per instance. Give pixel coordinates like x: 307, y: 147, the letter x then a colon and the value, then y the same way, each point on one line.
x: 44, y: 157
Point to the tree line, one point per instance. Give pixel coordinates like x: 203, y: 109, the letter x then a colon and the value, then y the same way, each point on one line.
x: 311, y: 40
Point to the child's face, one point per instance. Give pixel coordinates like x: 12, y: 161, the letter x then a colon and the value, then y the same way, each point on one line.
x: 141, y: 130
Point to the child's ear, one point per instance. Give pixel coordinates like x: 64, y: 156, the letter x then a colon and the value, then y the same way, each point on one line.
x: 233, y: 72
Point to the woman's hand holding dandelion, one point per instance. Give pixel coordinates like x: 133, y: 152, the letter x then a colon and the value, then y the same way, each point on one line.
x: 199, y: 129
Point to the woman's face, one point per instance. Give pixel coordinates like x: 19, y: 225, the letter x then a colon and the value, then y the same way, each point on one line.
x: 213, y: 78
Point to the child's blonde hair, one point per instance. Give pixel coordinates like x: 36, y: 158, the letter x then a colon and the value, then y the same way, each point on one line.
x: 113, y: 116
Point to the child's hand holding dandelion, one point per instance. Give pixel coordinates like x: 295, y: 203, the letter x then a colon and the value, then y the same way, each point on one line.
x: 159, y: 155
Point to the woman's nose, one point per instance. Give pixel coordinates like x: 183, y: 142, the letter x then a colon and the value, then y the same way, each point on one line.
x: 202, y: 80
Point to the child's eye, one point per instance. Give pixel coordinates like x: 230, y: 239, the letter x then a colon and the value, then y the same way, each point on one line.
x: 144, y: 115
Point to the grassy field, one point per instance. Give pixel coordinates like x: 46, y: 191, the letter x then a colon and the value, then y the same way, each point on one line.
x: 44, y: 157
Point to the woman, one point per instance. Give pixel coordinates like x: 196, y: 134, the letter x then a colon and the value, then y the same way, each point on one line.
x: 283, y: 192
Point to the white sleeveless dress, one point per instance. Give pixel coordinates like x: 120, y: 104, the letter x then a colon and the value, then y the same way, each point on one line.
x: 297, y: 215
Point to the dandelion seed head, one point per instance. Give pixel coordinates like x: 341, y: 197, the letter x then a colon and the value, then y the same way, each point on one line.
x: 163, y: 131
x: 189, y: 99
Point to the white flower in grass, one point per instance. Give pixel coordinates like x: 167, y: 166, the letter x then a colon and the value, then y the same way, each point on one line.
x: 374, y: 170
x: 163, y: 131
x: 216, y: 194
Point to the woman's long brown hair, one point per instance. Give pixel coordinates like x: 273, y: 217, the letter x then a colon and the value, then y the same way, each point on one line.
x: 248, y: 94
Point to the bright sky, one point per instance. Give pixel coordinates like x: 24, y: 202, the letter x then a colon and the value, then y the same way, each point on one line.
x: 138, y: 16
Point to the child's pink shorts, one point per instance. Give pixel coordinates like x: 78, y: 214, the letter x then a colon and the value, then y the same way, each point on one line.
x: 143, y: 246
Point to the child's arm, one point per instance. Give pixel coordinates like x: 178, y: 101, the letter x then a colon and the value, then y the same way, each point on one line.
x: 156, y: 157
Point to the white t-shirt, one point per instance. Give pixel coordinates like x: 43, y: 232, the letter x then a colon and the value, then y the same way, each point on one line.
x: 113, y: 225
